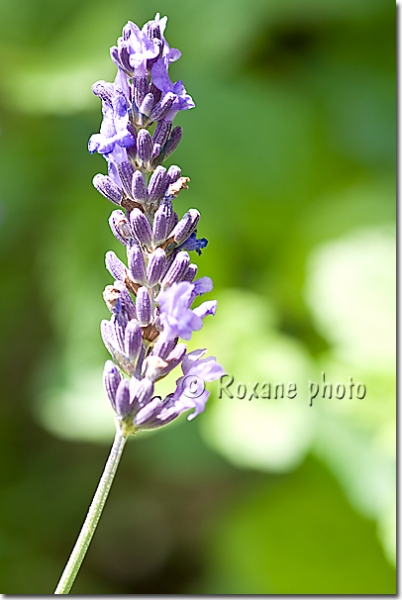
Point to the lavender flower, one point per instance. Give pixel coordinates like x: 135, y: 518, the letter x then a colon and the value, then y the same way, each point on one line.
x: 115, y: 128
x: 177, y: 319
x: 206, y: 369
x: 151, y: 299
x: 180, y: 99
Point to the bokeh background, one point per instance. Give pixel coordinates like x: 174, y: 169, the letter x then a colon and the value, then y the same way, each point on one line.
x: 291, y: 155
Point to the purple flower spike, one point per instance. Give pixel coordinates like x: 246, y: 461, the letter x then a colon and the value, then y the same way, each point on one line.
x: 141, y: 227
x: 186, y: 226
x: 156, y: 267
x: 108, y: 188
x: 115, y: 266
x: 144, y: 145
x: 123, y: 398
x: 139, y: 188
x: 136, y: 264
x: 111, y: 379
x: 157, y: 184
x: 143, y: 307
x: 173, y: 141
x: 132, y: 340
x: 142, y: 336
x: 177, y: 269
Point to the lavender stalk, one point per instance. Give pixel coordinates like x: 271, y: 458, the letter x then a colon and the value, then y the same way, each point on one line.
x: 150, y: 300
x: 95, y: 510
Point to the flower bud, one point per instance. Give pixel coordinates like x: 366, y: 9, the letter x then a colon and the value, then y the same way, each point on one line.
x: 185, y: 226
x: 139, y: 188
x: 161, y: 109
x: 177, y: 269
x: 156, y: 267
x: 143, y: 392
x: 111, y: 379
x: 161, y: 222
x: 157, y: 185
x: 143, y: 307
x: 127, y: 304
x: 173, y: 141
x: 141, y: 227
x: 118, y: 324
x: 107, y: 335
x: 115, y: 267
x: 120, y: 227
x: 108, y: 188
x: 173, y: 174
x: 140, y: 85
x: 172, y: 222
x: 190, y: 273
x: 126, y: 172
x: 161, y: 132
x: 123, y: 406
x: 132, y: 340
x: 147, y: 104
x: 136, y: 264
x: 144, y: 145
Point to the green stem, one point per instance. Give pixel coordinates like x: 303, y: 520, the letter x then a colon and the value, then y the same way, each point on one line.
x: 95, y: 510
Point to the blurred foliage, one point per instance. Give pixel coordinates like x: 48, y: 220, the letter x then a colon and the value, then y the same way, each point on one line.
x: 291, y: 154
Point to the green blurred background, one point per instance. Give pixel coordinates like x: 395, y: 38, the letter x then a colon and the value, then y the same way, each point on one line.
x: 291, y: 155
